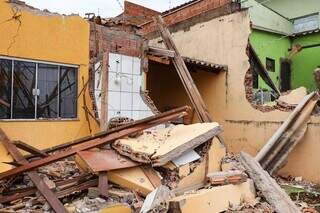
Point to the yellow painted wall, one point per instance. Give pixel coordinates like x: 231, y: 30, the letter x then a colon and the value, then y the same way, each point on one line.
x: 47, y: 37
x: 223, y: 41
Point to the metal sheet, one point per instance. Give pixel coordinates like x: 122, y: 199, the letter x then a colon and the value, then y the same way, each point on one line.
x: 106, y: 160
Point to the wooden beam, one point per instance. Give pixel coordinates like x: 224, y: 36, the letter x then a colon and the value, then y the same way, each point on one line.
x: 161, y: 52
x: 152, y: 176
x: 185, y: 109
x: 273, y: 193
x: 261, y: 71
x: 103, y: 185
x: 158, y: 59
x: 273, y: 154
x: 28, y: 148
x: 100, y: 141
x: 35, y: 178
x: 183, y: 73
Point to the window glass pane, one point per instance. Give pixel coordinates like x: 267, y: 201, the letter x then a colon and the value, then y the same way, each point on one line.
x: 5, y: 88
x: 23, y: 90
x: 47, y: 106
x: 68, y: 92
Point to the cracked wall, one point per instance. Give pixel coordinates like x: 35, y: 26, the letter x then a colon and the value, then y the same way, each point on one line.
x: 29, y: 33
x: 224, y: 40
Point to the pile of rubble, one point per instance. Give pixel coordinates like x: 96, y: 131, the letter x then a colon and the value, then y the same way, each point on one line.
x: 137, y: 168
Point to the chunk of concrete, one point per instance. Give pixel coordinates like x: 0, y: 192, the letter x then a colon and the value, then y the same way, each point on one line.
x: 216, y: 199
x: 132, y: 178
x: 157, y: 201
x: 163, y: 145
x: 294, y: 97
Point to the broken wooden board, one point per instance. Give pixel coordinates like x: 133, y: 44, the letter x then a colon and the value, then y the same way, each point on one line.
x: 132, y: 178
x: 275, y: 151
x: 272, y: 192
x: 99, y: 140
x: 103, y: 160
x: 160, y: 146
x: 183, y: 72
x: 216, y: 199
x: 42, y: 187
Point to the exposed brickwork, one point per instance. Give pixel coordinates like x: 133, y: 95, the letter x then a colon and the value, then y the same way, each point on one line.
x: 105, y: 40
x: 186, y: 12
x: 132, y: 9
x: 114, y: 40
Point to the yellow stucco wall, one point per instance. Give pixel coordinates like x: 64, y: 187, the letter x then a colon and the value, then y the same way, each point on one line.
x: 46, y: 37
x: 223, y: 41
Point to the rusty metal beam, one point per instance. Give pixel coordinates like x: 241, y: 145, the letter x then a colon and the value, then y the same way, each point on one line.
x: 35, y: 178
x: 98, y: 140
x: 186, y: 109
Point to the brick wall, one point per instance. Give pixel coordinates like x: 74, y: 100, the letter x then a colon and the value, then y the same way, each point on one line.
x: 186, y: 12
x: 114, y: 40
x: 132, y: 9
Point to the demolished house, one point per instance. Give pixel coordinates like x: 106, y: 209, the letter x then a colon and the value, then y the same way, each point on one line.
x: 156, y: 111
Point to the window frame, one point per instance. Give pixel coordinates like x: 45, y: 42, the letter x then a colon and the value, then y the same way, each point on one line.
x: 37, y: 62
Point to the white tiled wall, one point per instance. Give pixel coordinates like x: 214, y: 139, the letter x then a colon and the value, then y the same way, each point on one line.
x: 124, y: 85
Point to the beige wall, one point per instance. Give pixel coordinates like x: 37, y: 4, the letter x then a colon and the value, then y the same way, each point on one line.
x: 223, y: 41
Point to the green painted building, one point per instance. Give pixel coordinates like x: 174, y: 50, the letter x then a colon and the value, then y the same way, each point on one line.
x: 286, y: 38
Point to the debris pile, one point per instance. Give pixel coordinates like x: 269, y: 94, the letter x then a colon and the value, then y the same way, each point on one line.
x: 180, y: 168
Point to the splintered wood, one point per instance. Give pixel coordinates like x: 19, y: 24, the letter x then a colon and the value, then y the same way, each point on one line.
x: 158, y: 147
x: 274, y: 153
x: 273, y: 193
x: 183, y: 72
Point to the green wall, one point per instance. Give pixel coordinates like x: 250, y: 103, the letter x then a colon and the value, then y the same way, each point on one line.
x: 272, y: 46
x: 304, y: 63
x: 293, y: 8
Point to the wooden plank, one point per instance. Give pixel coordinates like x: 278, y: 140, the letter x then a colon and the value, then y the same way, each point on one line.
x: 158, y: 59
x: 35, y: 178
x: 152, y: 176
x: 105, y: 160
x: 183, y: 73
x: 161, y: 52
x: 185, y: 109
x: 261, y: 71
x: 61, y: 185
x: 104, y: 94
x: 276, y: 150
x: 273, y: 193
x: 28, y: 148
x: 103, y: 185
x: 108, y: 138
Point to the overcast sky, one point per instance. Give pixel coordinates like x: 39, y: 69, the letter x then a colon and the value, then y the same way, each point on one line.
x: 106, y: 8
